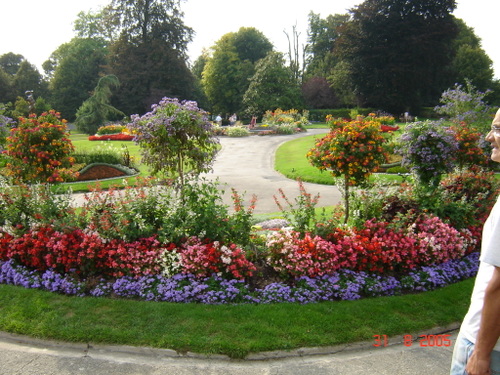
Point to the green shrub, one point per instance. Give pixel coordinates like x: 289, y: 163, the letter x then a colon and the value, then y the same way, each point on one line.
x: 237, y: 131
x: 105, y: 153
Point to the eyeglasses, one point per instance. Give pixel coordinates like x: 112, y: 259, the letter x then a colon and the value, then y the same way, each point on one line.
x: 496, y: 130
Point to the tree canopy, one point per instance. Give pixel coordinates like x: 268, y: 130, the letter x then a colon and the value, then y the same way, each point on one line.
x: 399, y: 52
x: 227, y: 72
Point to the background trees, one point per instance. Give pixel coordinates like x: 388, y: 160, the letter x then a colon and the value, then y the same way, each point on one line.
x: 394, y: 55
x: 272, y: 86
x: 399, y: 52
x: 149, y: 58
x: 226, y: 74
x: 75, y: 68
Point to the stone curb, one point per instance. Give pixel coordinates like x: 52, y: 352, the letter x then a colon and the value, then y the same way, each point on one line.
x: 126, y: 352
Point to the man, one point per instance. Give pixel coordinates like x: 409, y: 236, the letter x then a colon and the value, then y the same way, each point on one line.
x: 477, y: 349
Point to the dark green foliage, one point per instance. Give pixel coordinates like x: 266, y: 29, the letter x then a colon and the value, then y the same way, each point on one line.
x: 96, y: 110
x: 399, y: 52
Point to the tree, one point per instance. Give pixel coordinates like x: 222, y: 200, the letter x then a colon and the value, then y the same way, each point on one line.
x: 7, y: 92
x: 227, y: 73
x: 176, y: 137
x: 322, y: 34
x: 471, y: 63
x: 28, y: 78
x: 102, y: 24
x: 149, y: 58
x: 272, y: 86
x: 10, y: 62
x: 17, y: 76
x: 148, y: 72
x: 77, y: 66
x: 399, y: 51
x: 342, y: 85
x: 317, y: 93
x: 146, y: 20
x: 97, y: 109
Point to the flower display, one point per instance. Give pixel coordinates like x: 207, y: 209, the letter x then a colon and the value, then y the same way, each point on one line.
x: 352, y: 149
x: 428, y: 149
x: 39, y: 150
x: 185, y: 288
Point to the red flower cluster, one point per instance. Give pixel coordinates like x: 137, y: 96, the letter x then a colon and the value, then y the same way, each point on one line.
x: 112, y: 137
x: 85, y: 254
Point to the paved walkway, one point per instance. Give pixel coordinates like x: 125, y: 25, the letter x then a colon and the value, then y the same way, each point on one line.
x: 24, y: 356
x: 247, y: 165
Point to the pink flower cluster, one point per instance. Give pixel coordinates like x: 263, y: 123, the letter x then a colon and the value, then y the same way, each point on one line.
x: 202, y: 258
x: 308, y: 256
x: 378, y: 247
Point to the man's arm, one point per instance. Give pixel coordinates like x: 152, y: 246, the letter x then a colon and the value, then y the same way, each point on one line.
x: 489, y: 330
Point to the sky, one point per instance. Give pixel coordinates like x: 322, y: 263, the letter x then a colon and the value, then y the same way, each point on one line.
x: 36, y: 28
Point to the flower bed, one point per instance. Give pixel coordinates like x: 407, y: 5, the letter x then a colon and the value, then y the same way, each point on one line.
x: 186, y: 288
x: 112, y: 137
x: 145, y: 242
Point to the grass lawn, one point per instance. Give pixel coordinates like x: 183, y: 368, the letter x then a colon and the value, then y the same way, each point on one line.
x: 234, y: 330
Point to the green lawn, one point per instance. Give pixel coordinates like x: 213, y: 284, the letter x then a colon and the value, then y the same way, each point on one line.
x: 81, y: 143
x: 234, y: 330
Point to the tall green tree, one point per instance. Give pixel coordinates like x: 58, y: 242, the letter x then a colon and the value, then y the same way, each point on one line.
x: 322, y: 34
x: 19, y: 76
x: 96, y: 110
x: 75, y: 68
x: 28, y: 78
x: 103, y: 24
x: 399, y: 51
x: 10, y: 62
x: 149, y: 58
x: 471, y: 63
x: 7, y: 92
x: 273, y: 85
x: 226, y: 74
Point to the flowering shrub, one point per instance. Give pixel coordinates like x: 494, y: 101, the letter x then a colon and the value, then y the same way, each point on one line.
x: 466, y: 105
x: 40, y: 150
x: 175, y: 137
x: 428, y: 148
x: 352, y: 150
x: 5, y: 124
x: 470, y: 154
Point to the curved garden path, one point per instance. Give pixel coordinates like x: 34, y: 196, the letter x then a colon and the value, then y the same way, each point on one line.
x: 247, y: 164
